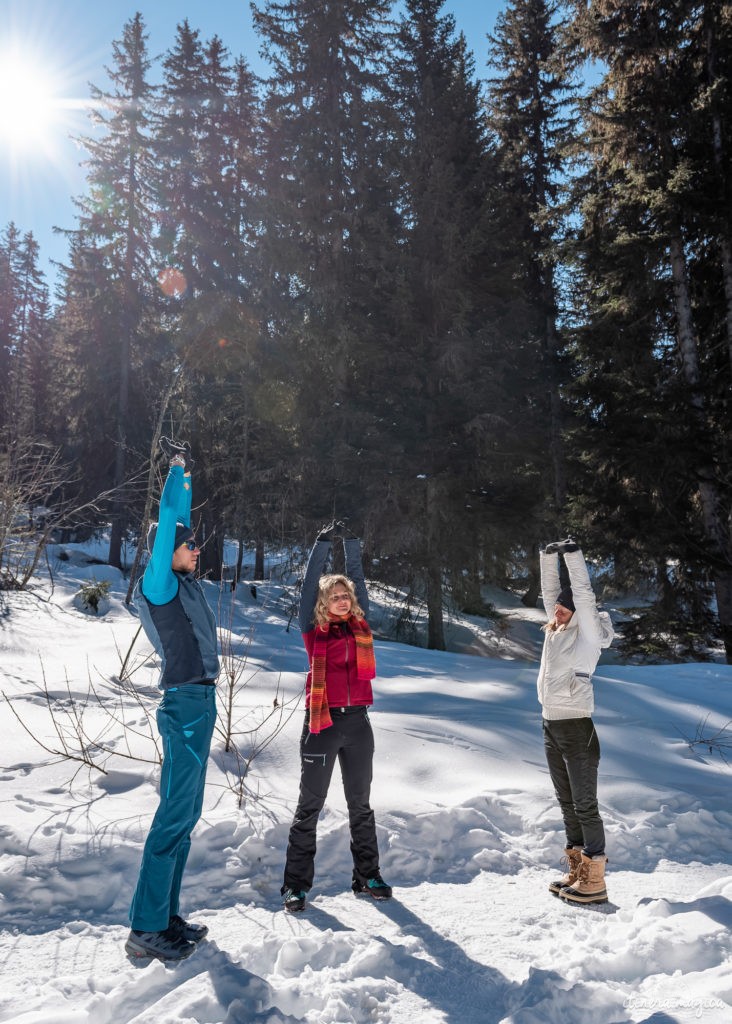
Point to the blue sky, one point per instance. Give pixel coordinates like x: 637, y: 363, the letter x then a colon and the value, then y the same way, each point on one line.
x: 70, y: 42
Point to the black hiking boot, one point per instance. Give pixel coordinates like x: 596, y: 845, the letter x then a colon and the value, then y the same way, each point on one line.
x: 375, y: 887
x: 293, y: 900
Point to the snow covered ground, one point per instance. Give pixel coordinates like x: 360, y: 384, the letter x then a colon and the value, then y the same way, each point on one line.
x: 469, y: 831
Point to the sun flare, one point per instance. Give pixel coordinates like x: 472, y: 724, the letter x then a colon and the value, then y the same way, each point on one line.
x: 28, y: 103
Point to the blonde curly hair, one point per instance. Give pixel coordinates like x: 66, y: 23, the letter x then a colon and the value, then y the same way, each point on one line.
x: 325, y: 586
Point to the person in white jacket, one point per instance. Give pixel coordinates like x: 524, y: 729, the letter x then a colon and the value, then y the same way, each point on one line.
x: 573, y: 639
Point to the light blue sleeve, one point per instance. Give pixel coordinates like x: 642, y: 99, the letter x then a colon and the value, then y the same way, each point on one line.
x: 159, y: 583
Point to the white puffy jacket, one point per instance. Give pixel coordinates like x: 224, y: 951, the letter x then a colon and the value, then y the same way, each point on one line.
x: 571, y: 652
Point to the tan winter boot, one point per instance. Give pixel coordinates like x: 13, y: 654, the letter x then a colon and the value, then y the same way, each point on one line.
x: 571, y: 861
x: 590, y: 884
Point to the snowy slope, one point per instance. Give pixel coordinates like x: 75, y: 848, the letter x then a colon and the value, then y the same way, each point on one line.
x: 468, y: 827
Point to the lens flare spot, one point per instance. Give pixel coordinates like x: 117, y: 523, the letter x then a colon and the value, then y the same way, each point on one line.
x: 172, y: 282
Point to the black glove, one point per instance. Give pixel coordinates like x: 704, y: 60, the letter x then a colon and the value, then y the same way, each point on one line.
x: 328, y: 532
x: 173, y: 449
x: 344, y: 531
x: 568, y: 545
x: 561, y: 547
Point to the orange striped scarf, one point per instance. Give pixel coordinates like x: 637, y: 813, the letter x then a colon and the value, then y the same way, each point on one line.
x: 365, y: 667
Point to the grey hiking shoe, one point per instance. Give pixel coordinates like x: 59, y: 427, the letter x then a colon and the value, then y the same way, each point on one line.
x: 165, y: 945
x: 187, y: 929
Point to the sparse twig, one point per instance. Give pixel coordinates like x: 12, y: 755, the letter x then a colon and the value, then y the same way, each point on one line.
x: 235, y: 676
x: 124, y: 675
x: 76, y: 743
x: 719, y: 741
x: 32, y: 476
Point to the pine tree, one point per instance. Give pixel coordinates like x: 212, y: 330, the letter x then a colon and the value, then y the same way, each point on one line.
x: 531, y: 119
x: 324, y: 183
x: 9, y: 302
x: 207, y: 137
x: 713, y: 101
x: 83, y: 408
x: 441, y: 307
x: 24, y: 337
x: 643, y: 131
x: 31, y: 384
x: 190, y: 160
x: 116, y: 217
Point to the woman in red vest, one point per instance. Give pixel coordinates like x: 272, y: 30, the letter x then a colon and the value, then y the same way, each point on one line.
x: 338, y: 692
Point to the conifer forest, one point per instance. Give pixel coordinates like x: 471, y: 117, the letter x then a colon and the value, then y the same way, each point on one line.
x: 469, y: 310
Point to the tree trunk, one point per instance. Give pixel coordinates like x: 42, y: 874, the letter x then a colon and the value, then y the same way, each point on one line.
x: 115, y: 539
x: 531, y: 597
x: 131, y: 317
x: 18, y: 422
x: 211, y: 539
x: 466, y: 591
x: 150, y: 486
x: 435, y: 623
x: 339, y: 559
x: 665, y: 588
x: 146, y: 515
x: 726, y: 250
x: 723, y: 592
x: 259, y: 559
x: 556, y: 442
x: 240, y: 559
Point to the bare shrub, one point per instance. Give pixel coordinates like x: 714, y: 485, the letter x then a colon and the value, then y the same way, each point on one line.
x: 33, y: 485
x: 246, y: 730
x: 716, y: 741
x: 85, y: 728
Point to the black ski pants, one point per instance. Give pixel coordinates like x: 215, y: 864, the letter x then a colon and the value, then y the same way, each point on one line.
x: 349, y: 740
x: 573, y: 755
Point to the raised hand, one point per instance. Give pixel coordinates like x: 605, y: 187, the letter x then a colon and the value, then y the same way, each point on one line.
x: 177, y: 450
x: 328, y: 532
x: 561, y: 547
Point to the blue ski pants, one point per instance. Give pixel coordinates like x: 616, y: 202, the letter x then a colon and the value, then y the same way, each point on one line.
x: 186, y: 718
